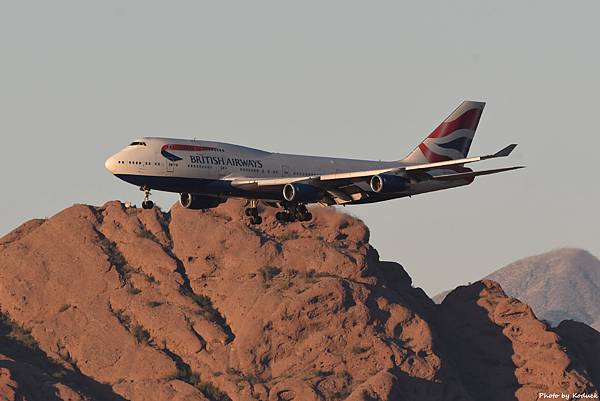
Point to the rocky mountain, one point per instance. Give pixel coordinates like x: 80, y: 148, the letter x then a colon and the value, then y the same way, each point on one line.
x: 116, y: 303
x: 558, y: 285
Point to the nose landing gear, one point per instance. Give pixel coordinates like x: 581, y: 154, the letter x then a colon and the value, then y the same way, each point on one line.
x: 147, y: 203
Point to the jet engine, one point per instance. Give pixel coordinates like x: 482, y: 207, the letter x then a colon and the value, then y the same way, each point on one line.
x: 302, y: 193
x: 387, y: 183
x: 196, y: 202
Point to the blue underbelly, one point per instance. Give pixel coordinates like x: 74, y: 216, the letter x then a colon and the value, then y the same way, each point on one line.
x: 197, y: 186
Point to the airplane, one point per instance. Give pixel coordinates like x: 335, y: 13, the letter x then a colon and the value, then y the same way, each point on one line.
x: 207, y: 173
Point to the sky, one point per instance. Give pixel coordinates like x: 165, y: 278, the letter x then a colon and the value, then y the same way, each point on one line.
x: 80, y: 79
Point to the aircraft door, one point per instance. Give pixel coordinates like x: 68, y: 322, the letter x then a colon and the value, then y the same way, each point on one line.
x: 285, y: 170
x: 170, y: 166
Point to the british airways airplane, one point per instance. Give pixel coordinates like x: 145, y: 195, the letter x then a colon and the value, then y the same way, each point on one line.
x: 207, y: 173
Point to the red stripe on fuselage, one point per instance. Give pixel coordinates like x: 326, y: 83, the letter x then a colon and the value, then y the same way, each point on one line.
x: 190, y: 148
x: 468, y: 120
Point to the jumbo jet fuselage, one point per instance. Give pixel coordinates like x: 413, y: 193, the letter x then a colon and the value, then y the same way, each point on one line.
x: 209, y: 168
x: 206, y: 173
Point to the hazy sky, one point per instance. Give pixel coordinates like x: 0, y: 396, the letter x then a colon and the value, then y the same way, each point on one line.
x: 81, y: 79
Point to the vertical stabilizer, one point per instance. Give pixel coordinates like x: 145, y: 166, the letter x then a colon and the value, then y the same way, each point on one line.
x: 452, y: 139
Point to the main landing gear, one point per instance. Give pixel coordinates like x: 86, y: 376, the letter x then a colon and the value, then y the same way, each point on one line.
x: 252, y: 212
x: 147, y: 203
x: 293, y: 212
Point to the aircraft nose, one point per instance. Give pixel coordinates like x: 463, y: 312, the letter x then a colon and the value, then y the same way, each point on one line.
x: 111, y: 164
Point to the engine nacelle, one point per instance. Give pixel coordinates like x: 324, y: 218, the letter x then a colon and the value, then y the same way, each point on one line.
x: 302, y: 193
x: 387, y: 183
x: 196, y: 202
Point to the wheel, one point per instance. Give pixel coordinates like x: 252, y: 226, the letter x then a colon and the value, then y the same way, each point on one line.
x: 298, y: 216
x: 251, y: 211
x: 147, y: 204
x: 307, y: 216
x: 256, y: 220
x: 284, y: 217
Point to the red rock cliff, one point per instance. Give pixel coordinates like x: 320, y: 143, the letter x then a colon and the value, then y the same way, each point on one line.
x: 115, y: 303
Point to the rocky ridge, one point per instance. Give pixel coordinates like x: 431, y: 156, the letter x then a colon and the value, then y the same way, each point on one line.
x: 115, y: 303
x: 559, y: 285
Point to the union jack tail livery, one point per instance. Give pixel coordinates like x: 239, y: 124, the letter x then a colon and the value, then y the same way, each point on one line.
x: 452, y: 139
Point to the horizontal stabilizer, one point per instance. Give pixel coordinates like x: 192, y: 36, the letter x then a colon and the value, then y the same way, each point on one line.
x: 472, y: 174
x: 506, y: 151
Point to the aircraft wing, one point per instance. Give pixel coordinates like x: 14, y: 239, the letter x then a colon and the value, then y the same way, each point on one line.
x: 341, y: 186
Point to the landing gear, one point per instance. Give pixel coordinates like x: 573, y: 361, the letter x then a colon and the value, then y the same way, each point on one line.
x: 252, y: 212
x: 307, y: 216
x: 284, y: 217
x: 302, y: 214
x: 293, y: 212
x: 147, y: 203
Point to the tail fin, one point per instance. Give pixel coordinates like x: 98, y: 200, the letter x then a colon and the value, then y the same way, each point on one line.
x: 452, y: 139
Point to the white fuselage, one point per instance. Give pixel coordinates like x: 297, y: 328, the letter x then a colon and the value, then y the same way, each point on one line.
x: 206, y: 167
x: 225, y: 161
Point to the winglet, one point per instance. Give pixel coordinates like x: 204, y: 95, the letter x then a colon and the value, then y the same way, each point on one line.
x: 506, y: 151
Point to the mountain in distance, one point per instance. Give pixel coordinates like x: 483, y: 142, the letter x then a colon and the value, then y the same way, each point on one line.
x: 118, y: 303
x: 559, y: 285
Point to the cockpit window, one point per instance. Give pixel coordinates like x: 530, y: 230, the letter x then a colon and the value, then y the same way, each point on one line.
x: 137, y: 143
